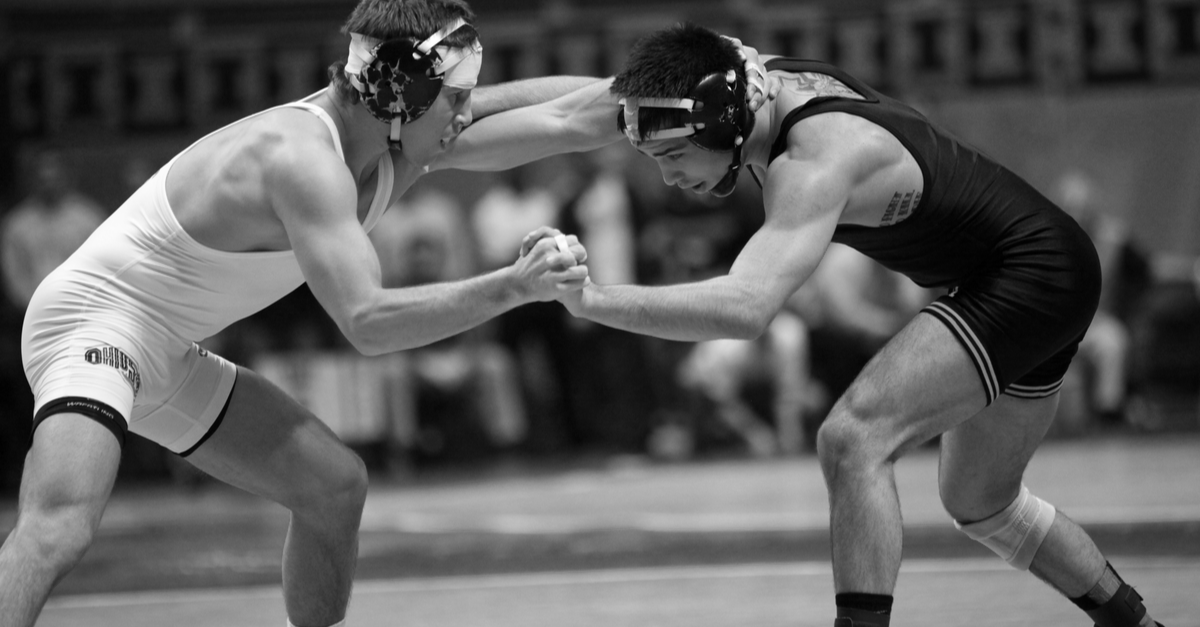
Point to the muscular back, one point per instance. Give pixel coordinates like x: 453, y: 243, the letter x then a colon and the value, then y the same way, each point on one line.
x: 221, y: 189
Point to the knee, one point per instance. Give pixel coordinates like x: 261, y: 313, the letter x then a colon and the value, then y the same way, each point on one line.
x: 966, y: 501
x: 846, y: 444
x: 340, y: 491
x: 350, y: 484
x: 1016, y: 532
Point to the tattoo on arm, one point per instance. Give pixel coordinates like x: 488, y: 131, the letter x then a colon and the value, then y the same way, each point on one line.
x: 819, y: 85
x: 900, y: 207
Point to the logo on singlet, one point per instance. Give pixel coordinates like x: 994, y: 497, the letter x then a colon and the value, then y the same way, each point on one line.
x: 116, y: 358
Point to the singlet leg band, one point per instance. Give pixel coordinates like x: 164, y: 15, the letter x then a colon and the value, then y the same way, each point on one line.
x: 102, y: 413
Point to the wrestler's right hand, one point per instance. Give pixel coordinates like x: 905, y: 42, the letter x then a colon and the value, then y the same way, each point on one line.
x: 545, y: 271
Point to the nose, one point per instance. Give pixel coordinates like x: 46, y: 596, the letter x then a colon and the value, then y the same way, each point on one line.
x: 670, y: 176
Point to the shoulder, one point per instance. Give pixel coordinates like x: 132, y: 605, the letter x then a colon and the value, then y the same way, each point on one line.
x: 296, y: 151
x: 840, y: 141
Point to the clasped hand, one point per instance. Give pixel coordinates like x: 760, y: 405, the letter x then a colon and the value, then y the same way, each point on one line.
x: 548, y: 271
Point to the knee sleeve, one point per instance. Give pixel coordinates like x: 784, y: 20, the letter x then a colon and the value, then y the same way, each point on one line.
x: 1017, y: 531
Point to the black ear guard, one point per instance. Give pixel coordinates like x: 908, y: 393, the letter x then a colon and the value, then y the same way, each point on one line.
x: 399, y: 81
x: 715, y: 116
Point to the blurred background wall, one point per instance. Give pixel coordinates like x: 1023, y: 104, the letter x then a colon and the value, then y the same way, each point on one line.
x: 1109, y: 88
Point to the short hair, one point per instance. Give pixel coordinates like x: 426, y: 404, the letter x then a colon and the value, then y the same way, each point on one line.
x: 398, y: 19
x: 670, y: 63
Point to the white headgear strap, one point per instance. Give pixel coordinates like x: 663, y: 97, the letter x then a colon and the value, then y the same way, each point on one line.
x: 632, y: 106
x: 460, y: 66
x: 362, y: 54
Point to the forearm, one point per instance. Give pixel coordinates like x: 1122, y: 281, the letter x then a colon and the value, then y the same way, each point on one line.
x: 410, y: 317
x: 687, y: 312
x: 584, y: 119
x: 491, y: 99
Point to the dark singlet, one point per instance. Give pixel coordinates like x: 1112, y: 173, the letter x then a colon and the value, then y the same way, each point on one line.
x: 970, y: 207
x: 1025, y: 276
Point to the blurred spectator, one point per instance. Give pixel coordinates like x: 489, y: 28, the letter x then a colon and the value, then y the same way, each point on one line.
x: 1101, y: 366
x: 36, y: 235
x: 463, y: 392
x: 723, y: 372
x: 44, y: 228
x: 609, y: 399
x: 711, y: 395
x: 603, y: 214
x: 852, y: 306
x: 1165, y: 390
x: 519, y: 201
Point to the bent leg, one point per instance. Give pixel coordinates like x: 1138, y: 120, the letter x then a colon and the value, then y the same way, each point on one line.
x: 982, y: 463
x: 270, y: 445
x: 69, y: 474
x: 921, y: 383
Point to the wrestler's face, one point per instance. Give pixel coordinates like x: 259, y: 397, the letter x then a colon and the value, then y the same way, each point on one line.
x: 687, y: 165
x: 427, y: 136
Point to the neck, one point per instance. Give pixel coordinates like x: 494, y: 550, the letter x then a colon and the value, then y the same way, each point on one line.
x: 757, y: 150
x: 364, y: 138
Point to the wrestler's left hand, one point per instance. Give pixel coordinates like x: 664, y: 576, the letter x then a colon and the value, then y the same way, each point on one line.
x: 549, y: 265
x: 760, y: 87
x: 541, y: 232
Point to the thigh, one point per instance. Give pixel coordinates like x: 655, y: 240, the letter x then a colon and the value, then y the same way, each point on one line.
x: 921, y: 383
x: 270, y: 445
x: 71, y: 465
x: 983, y: 459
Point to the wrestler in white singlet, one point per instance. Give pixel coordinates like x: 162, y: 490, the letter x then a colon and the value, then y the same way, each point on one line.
x: 118, y: 322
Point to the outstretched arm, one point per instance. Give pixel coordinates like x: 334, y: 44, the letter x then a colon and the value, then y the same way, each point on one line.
x: 584, y: 119
x: 491, y: 99
x: 315, y: 198
x: 806, y: 192
x: 801, y: 217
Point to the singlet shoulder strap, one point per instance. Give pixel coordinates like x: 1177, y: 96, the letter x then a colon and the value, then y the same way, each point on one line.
x: 814, y: 106
x: 820, y: 104
x: 299, y: 104
x: 385, y: 178
x: 324, y: 116
x: 385, y: 181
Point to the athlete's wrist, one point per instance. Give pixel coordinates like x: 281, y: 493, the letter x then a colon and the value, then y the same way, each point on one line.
x: 512, y: 290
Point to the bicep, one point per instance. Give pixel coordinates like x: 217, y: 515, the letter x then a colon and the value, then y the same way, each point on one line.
x: 337, y: 259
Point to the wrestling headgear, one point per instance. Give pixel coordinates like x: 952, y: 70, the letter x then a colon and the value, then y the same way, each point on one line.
x: 715, y: 117
x: 399, y: 79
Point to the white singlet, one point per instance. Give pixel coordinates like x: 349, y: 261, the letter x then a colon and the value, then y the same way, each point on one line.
x: 118, y: 321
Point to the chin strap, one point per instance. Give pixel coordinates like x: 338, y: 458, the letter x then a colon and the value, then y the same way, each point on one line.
x: 394, y: 135
x: 725, y: 186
